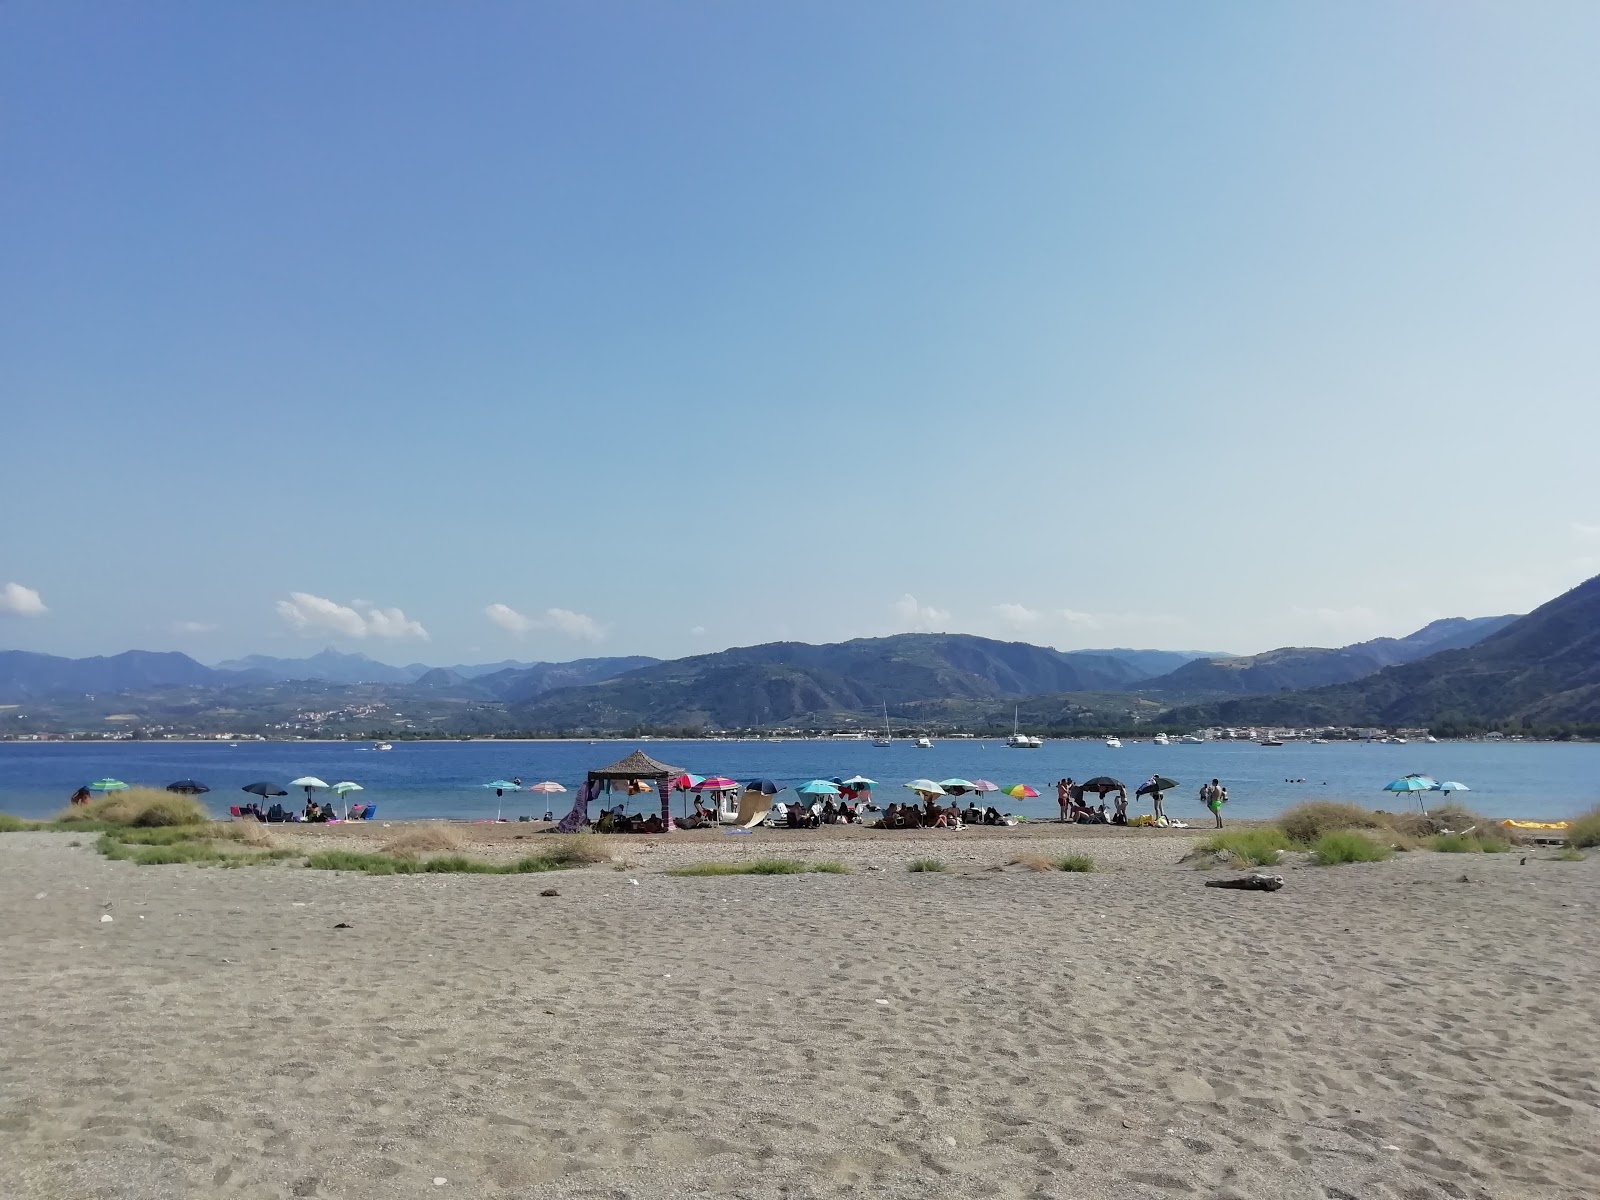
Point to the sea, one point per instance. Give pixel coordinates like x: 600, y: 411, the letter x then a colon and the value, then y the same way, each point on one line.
x: 444, y: 780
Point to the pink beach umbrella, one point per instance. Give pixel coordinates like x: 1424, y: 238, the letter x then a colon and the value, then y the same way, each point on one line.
x: 715, y: 783
x: 983, y: 787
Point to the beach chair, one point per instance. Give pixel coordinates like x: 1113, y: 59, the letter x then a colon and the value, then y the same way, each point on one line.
x: 233, y: 811
x: 369, y: 812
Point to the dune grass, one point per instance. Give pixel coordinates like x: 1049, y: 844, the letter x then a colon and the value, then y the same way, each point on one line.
x: 424, y: 839
x: 1080, y: 864
x: 575, y: 849
x: 1585, y: 831
x: 830, y: 867
x: 446, y: 864
x: 138, y: 808
x: 1348, y: 846
x: 197, y: 851
x: 1259, y: 847
x: 760, y: 866
x: 11, y: 824
x: 1305, y: 823
x: 1466, y: 843
x: 919, y: 865
x: 1569, y: 855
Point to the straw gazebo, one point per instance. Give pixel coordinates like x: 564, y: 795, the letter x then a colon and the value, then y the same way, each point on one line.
x: 639, y: 767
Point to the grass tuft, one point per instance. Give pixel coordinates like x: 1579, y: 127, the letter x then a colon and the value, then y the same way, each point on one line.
x: 918, y: 865
x: 1259, y: 847
x: 576, y: 849
x: 760, y: 866
x: 830, y: 867
x: 11, y: 824
x: 1078, y: 863
x: 1570, y: 855
x: 1348, y: 846
x: 357, y: 860
x: 445, y: 864
x: 1585, y: 831
x: 1466, y: 843
x: 1305, y: 823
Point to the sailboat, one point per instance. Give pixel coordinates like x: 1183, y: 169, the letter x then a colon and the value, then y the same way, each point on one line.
x: 885, y: 740
x: 1021, y: 741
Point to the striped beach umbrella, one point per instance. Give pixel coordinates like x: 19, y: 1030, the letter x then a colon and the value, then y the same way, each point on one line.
x: 108, y: 785
x: 1020, y: 791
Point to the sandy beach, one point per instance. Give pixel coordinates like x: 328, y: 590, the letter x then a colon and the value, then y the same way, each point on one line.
x: 1412, y: 1029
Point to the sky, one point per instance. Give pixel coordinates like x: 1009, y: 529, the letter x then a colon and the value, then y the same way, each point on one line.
x: 458, y: 333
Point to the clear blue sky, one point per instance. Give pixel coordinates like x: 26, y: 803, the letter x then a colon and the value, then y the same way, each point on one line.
x: 669, y: 327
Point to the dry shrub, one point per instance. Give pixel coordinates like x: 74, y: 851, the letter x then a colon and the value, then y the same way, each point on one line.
x: 1585, y: 831
x: 1450, y: 818
x: 141, y: 808
x: 1032, y: 862
x: 576, y: 849
x: 1305, y: 823
x: 246, y: 833
x: 424, y: 839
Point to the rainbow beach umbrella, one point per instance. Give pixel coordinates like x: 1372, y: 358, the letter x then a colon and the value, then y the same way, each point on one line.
x: 715, y: 783
x: 1019, y: 791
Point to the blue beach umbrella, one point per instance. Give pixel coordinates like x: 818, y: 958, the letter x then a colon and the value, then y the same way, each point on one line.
x: 767, y: 787
x: 1452, y: 786
x: 818, y: 787
x: 1412, y: 783
x: 501, y: 787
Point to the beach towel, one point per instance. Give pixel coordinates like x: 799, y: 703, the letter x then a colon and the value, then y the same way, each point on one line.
x: 579, y: 816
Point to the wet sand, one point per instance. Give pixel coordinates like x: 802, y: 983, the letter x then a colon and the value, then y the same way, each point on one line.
x: 1385, y: 1030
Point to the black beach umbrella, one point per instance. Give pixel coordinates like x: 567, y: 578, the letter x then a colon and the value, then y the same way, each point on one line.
x: 1101, y: 784
x: 188, y: 787
x: 265, y: 790
x: 1159, y: 784
x: 767, y: 787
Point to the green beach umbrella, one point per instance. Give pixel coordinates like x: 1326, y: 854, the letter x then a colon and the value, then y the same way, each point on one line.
x: 108, y: 785
x: 343, y: 790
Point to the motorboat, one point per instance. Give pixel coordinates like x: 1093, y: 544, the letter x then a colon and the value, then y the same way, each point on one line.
x: 1271, y: 742
x: 924, y: 744
x: 1114, y: 742
x: 383, y: 746
x: 1190, y: 739
x: 1161, y: 739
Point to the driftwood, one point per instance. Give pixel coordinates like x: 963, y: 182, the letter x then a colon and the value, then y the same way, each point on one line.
x: 1249, y: 883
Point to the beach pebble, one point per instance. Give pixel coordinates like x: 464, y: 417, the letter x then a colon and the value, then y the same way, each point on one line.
x: 41, y: 895
x: 880, y: 1002
x: 439, y: 1181
x: 105, y: 918
x: 633, y: 883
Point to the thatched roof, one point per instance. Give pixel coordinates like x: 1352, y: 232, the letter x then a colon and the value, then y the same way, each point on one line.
x: 637, y: 765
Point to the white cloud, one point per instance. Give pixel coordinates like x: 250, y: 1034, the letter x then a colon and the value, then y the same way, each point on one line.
x: 1082, y: 620
x: 21, y: 601
x: 575, y: 624
x: 1019, y: 616
x: 192, y: 627
x: 919, y: 618
x: 561, y: 620
x: 508, y: 618
x: 305, y: 613
x: 698, y: 631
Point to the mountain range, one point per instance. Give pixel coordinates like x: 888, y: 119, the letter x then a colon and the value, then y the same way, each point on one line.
x: 925, y: 680
x: 1541, y: 669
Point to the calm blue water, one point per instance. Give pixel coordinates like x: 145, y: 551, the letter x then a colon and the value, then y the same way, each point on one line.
x: 440, y: 779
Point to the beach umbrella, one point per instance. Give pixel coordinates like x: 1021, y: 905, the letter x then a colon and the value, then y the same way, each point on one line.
x: 716, y: 783
x: 343, y: 790
x: 767, y: 787
x: 686, y: 781
x: 108, y: 785
x: 1158, y: 783
x: 1019, y: 791
x: 818, y: 787
x: 926, y: 786
x: 1413, y: 783
x: 1101, y: 784
x: 266, y: 791
x: 501, y: 787
x: 549, y: 787
x: 858, y: 781
x: 188, y: 787
x: 983, y: 787
x: 957, y: 787
x: 1452, y: 786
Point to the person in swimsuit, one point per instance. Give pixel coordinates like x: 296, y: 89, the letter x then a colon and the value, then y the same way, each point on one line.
x: 1215, y: 796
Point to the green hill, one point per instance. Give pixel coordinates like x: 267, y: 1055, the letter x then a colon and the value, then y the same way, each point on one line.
x: 788, y: 682
x: 1543, y: 669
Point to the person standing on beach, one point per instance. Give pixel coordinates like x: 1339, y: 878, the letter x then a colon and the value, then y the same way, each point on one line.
x: 1063, y: 797
x: 1214, y: 796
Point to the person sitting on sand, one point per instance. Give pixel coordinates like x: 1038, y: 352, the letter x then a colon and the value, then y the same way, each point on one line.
x: 704, y: 814
x: 81, y: 796
x: 651, y: 824
x: 991, y: 816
